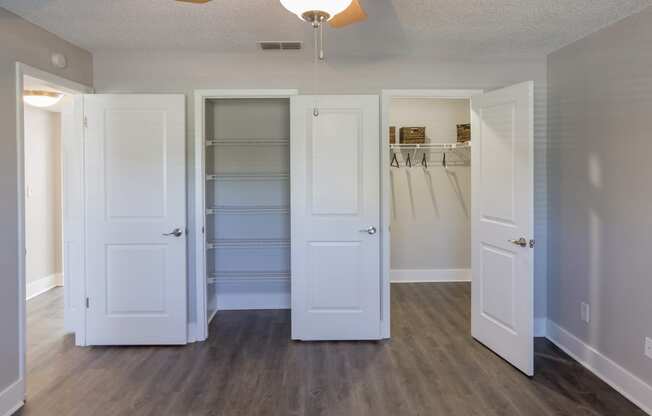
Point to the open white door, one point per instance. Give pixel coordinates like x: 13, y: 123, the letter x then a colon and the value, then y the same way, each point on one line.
x: 72, y: 181
x: 335, y: 174
x: 136, y: 219
x: 502, y: 223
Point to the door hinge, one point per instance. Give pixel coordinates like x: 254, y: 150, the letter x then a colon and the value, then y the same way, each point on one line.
x: 532, y: 243
x: 88, y: 303
x: 85, y: 122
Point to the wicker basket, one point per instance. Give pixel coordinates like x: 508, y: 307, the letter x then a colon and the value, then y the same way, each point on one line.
x: 392, y: 135
x: 413, y: 135
x: 463, y: 133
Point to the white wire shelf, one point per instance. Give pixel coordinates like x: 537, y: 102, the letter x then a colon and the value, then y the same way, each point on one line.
x: 431, y: 146
x: 247, y: 210
x: 247, y: 142
x: 247, y: 176
x: 214, y: 277
x: 423, y: 155
x: 247, y: 243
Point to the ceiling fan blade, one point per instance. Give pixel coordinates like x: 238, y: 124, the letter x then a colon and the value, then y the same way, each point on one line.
x: 353, y: 14
x: 194, y: 1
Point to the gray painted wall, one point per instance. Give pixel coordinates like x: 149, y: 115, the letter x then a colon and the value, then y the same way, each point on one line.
x: 430, y: 219
x: 600, y: 107
x: 43, y: 193
x: 185, y: 71
x: 24, y: 42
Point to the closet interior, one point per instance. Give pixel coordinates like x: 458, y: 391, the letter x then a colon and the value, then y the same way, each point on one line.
x: 247, y: 202
x: 430, y: 181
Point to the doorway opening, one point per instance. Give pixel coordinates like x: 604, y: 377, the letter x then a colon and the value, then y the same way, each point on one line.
x: 429, y: 143
x: 426, y: 190
x: 482, y: 145
x: 46, y: 120
x: 43, y: 124
x: 430, y: 182
x: 243, y: 202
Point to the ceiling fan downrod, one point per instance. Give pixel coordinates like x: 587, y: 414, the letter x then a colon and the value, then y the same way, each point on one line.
x: 317, y: 19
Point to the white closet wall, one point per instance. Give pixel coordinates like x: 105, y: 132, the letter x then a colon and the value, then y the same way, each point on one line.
x: 430, y: 226
x: 247, y: 203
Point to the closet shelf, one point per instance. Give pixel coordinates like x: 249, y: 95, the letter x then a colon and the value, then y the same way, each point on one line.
x: 432, y: 146
x: 246, y: 176
x: 248, y: 142
x: 421, y: 155
x: 249, y: 275
x: 252, y: 210
x: 247, y: 243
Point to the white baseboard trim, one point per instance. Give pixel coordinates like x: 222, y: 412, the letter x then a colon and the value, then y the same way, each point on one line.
x: 626, y: 383
x: 42, y: 285
x: 12, y: 398
x: 540, y: 329
x: 253, y: 294
x: 429, y: 275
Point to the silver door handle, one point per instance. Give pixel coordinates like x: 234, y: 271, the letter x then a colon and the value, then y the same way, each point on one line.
x: 175, y: 233
x: 370, y: 230
x: 520, y: 242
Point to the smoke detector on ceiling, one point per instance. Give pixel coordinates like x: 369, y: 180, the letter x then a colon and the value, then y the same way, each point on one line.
x: 280, y: 46
x: 59, y: 60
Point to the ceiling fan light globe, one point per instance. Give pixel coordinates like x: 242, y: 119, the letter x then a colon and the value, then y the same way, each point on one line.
x: 331, y: 7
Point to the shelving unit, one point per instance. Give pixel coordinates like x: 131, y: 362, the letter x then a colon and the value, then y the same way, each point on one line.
x: 246, y: 176
x: 213, y: 278
x: 247, y: 243
x: 246, y: 210
x: 436, y: 147
x: 248, y: 142
x: 460, y: 152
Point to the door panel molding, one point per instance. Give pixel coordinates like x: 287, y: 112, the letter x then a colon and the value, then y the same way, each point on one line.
x: 502, y: 165
x: 135, y: 196
x: 335, y: 156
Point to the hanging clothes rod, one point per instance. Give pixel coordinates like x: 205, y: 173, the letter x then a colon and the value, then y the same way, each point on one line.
x: 410, y: 159
x: 431, y: 146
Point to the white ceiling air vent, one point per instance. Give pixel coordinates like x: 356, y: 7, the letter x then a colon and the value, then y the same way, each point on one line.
x: 280, y: 46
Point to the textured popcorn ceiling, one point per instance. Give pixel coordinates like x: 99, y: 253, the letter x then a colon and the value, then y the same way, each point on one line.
x: 461, y: 28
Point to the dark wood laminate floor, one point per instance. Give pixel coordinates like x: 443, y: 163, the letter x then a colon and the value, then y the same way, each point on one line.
x: 250, y: 367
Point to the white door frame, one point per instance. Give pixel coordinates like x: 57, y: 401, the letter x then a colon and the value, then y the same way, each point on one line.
x: 69, y: 87
x: 198, y: 331
x: 385, y: 191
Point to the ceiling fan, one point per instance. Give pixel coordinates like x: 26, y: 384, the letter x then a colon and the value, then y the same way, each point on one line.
x: 338, y: 13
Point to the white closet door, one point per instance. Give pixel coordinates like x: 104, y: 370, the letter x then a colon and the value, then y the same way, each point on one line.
x: 72, y: 164
x: 136, y: 219
x: 335, y: 210
x: 502, y: 223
